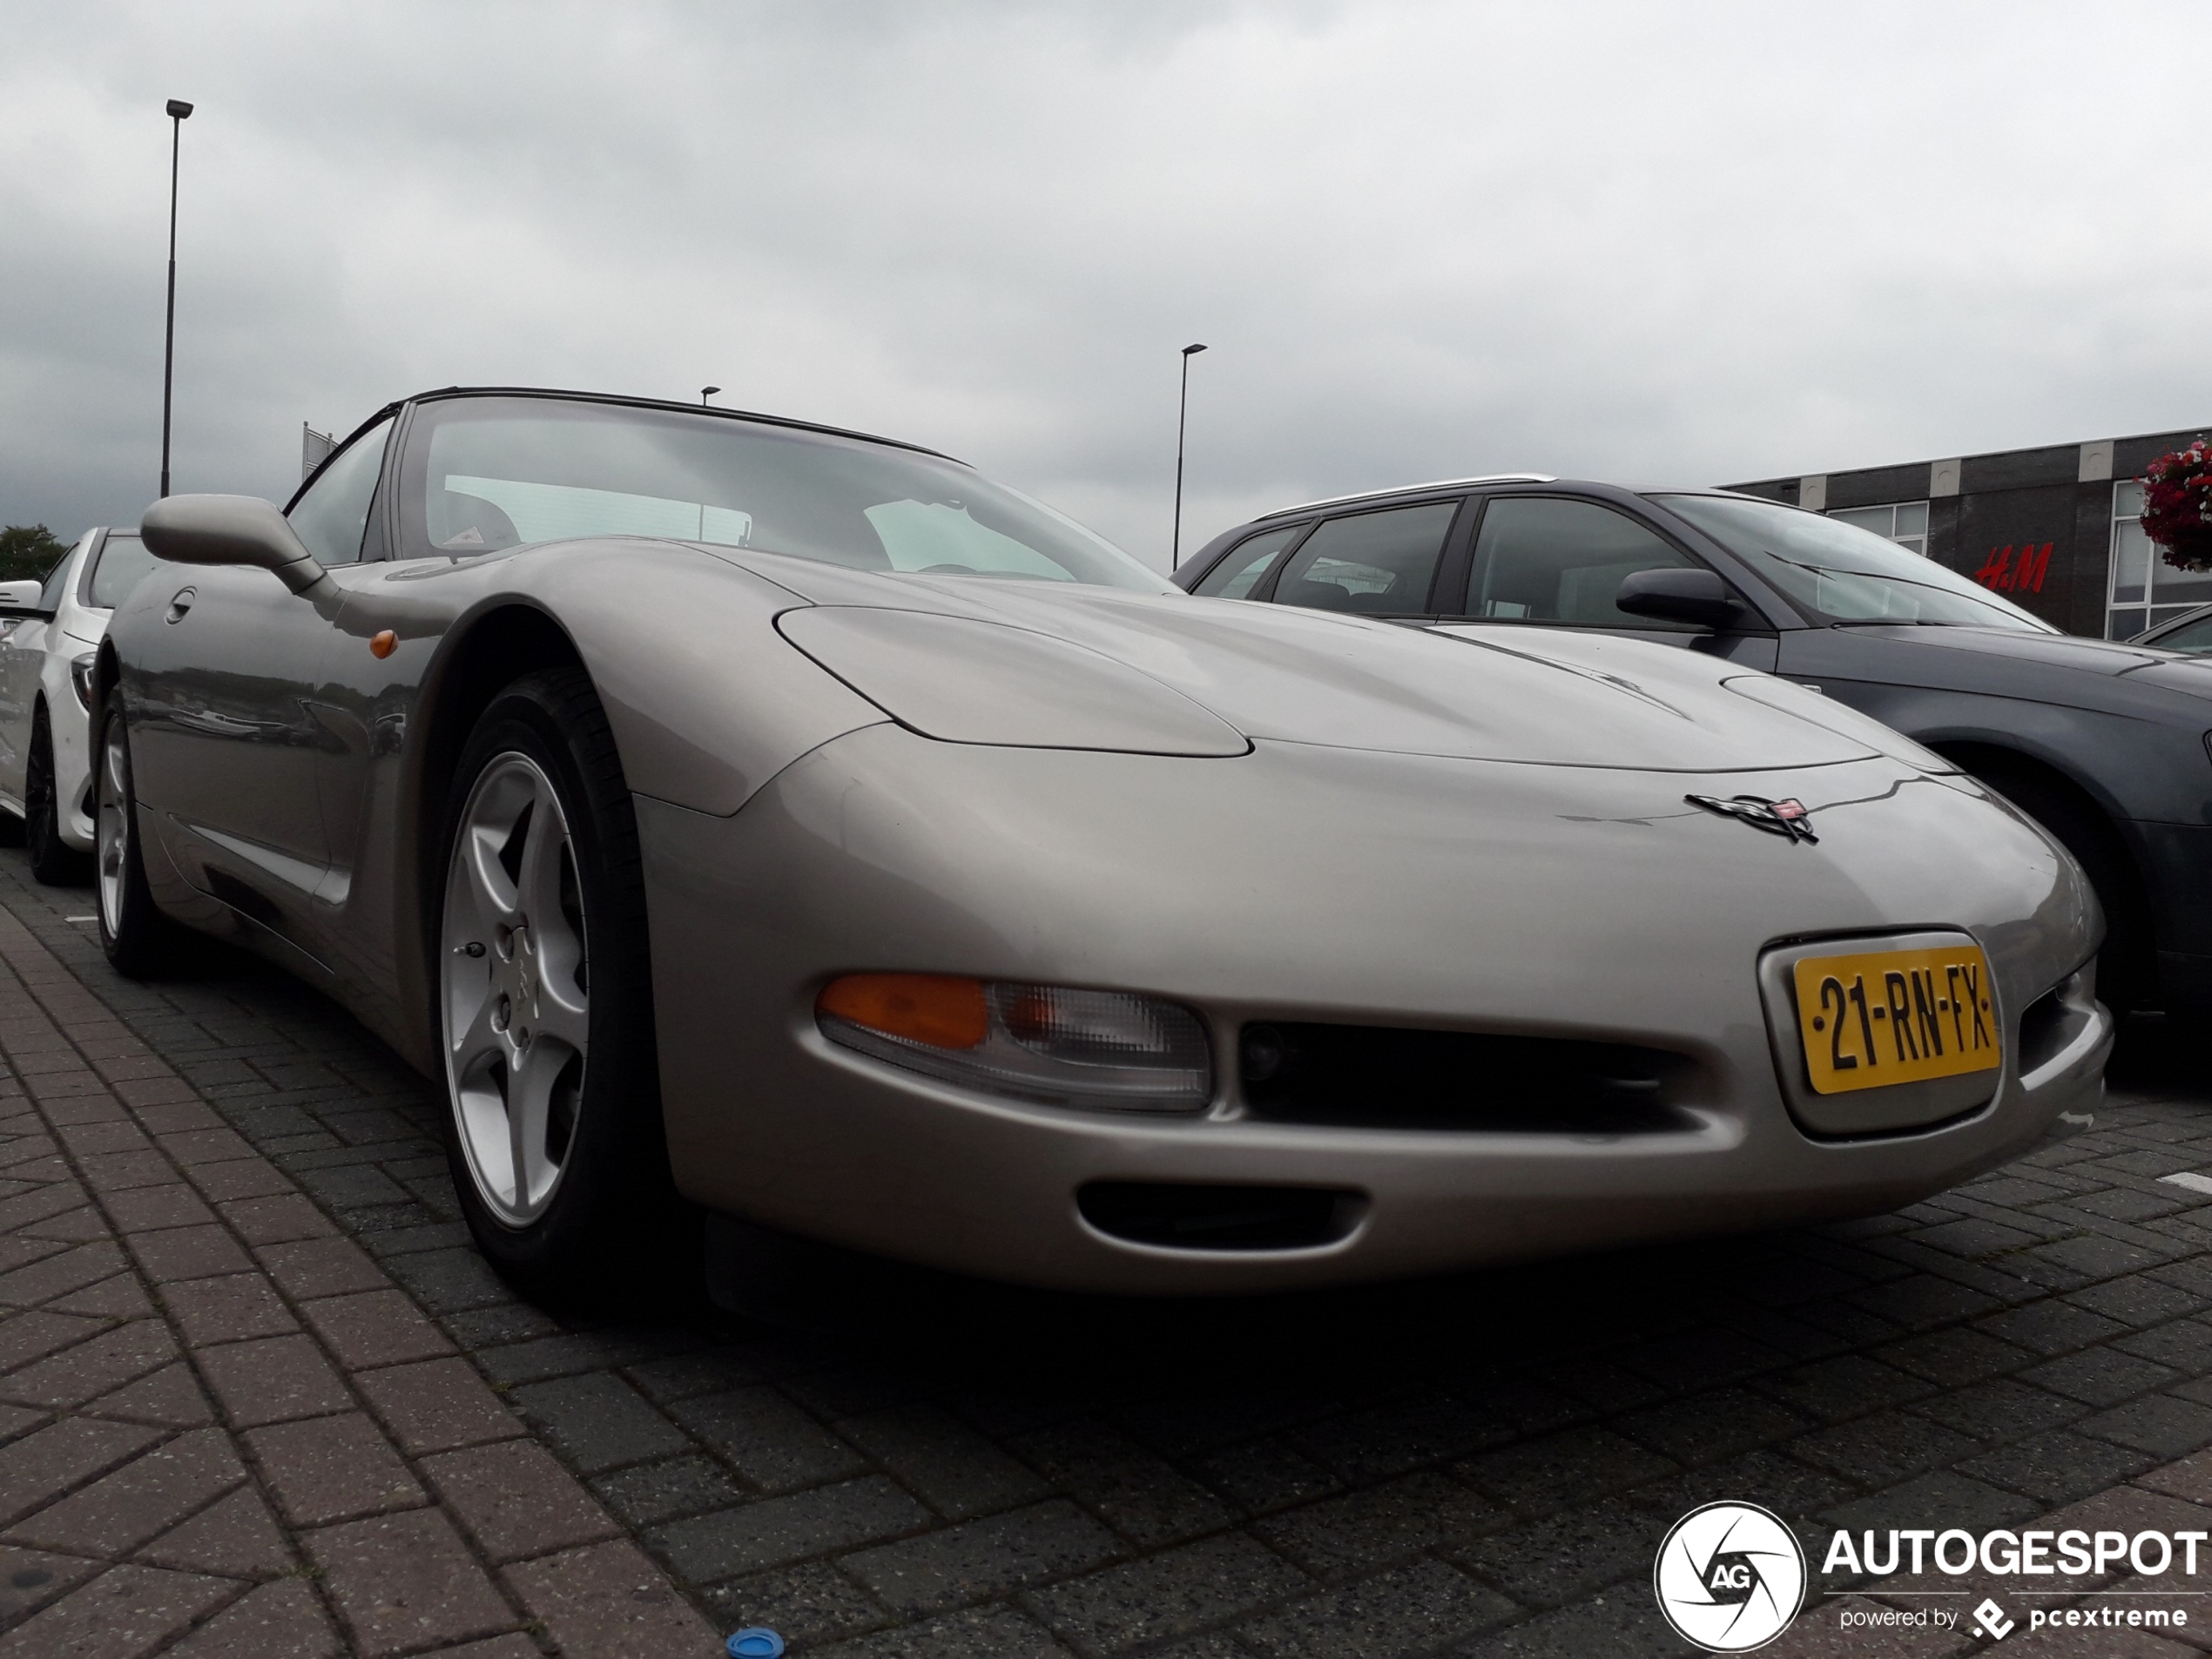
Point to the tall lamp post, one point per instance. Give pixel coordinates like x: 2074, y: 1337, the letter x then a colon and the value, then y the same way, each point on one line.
x: 707, y: 392
x: 177, y: 110
x: 1182, y: 414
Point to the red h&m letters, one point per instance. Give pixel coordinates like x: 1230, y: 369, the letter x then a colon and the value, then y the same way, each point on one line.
x: 1999, y: 571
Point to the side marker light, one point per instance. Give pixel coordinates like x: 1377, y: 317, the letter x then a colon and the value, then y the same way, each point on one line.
x: 935, y: 1009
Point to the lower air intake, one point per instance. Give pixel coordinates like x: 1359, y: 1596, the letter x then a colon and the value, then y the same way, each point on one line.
x: 1177, y: 1216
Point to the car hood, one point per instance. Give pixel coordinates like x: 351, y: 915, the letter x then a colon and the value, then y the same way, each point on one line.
x: 2068, y: 652
x: 1280, y: 674
x: 2061, y: 669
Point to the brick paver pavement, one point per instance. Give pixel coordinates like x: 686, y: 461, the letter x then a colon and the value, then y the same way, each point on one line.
x: 259, y: 1396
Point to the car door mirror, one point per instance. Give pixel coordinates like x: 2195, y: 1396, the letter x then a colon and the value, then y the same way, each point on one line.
x: 229, y: 529
x: 1678, y: 594
x: 19, y: 596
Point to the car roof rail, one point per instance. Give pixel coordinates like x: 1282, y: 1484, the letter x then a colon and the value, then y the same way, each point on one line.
x: 1408, y: 489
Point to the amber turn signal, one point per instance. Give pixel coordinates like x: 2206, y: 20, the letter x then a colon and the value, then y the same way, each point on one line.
x: 934, y: 1008
x: 383, y: 645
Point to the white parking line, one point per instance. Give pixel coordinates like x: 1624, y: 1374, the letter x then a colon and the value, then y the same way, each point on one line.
x: 80, y: 918
x: 2190, y: 1179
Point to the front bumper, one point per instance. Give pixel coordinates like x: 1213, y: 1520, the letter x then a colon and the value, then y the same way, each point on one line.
x: 1316, y: 885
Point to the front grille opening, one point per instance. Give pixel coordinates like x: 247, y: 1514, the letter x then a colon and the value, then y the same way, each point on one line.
x: 1374, y: 1077
x: 1181, y: 1217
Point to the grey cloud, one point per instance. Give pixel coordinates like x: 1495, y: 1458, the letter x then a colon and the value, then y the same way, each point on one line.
x: 1605, y: 238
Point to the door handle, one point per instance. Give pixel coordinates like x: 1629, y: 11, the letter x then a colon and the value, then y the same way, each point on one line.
x: 182, y: 604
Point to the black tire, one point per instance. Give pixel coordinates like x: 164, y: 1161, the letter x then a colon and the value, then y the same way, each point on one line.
x: 613, y: 1200
x: 139, y: 941
x: 2128, y: 963
x: 52, y: 860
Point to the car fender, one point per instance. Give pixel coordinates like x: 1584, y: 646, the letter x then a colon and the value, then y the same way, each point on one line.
x: 2146, y: 770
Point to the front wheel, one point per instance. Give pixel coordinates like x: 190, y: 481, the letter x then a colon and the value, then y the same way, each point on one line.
x: 545, y: 994
x: 137, y: 937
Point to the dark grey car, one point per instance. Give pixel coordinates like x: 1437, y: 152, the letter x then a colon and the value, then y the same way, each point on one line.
x: 2109, y: 745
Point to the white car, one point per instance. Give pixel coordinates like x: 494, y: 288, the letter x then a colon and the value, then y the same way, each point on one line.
x: 49, y: 632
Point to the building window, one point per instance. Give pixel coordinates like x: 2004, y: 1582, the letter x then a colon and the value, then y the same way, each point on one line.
x: 2146, y: 591
x: 1905, y: 522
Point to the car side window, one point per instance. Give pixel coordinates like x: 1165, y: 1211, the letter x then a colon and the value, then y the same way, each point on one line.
x: 1370, y: 564
x: 122, y: 561
x: 1246, y: 563
x: 49, y: 595
x: 333, y: 517
x: 1547, y: 559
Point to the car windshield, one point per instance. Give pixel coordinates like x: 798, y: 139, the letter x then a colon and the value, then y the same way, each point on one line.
x: 124, y: 560
x: 502, y: 472
x: 1842, y: 573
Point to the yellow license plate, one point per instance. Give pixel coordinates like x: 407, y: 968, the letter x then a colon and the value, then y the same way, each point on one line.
x: 1896, y: 1016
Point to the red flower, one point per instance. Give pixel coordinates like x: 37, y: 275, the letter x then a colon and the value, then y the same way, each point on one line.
x: 2172, y: 518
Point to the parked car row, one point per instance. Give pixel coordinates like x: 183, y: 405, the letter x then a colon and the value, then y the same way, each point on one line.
x: 743, y: 817
x: 49, y: 631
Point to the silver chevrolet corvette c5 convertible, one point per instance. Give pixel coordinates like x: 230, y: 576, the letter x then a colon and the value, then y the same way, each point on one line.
x: 801, y: 824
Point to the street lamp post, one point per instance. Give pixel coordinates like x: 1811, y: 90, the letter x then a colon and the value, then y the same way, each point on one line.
x: 177, y: 110
x: 707, y: 392
x: 1182, y: 414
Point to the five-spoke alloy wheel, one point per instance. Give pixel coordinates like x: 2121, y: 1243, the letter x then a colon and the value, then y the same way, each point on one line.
x: 137, y: 937
x: 517, y: 998
x: 544, y: 995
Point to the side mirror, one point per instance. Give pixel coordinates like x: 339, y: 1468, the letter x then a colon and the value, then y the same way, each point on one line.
x: 20, y: 596
x: 229, y: 529
x: 1693, y: 595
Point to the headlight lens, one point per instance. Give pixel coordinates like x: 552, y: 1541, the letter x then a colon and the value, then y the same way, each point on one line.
x: 80, y: 678
x: 1108, y: 1051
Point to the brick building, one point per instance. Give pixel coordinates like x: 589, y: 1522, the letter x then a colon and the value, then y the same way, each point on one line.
x: 2053, y: 528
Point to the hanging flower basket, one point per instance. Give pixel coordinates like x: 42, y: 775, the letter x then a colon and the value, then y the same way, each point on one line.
x: 2177, y: 506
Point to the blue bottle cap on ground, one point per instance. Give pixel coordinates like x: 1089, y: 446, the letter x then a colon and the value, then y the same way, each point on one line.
x: 758, y: 1641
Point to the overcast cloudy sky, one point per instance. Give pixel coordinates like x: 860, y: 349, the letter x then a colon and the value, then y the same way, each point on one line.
x: 1690, y: 242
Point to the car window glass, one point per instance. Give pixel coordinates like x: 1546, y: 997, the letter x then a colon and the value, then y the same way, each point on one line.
x: 1841, y: 573
x: 49, y: 595
x: 937, y: 536
x: 1545, y: 559
x: 1234, y: 577
x: 483, y: 474
x: 2190, y: 637
x: 122, y: 561
x: 331, y: 518
x: 1373, y: 563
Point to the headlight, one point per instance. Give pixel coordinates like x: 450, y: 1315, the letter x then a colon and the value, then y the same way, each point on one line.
x: 1098, y: 1050
x: 80, y: 678
x: 963, y: 681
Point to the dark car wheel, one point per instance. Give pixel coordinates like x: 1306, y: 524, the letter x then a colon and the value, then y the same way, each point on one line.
x: 52, y: 860
x: 2127, y: 965
x: 545, y: 995
x: 139, y: 939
